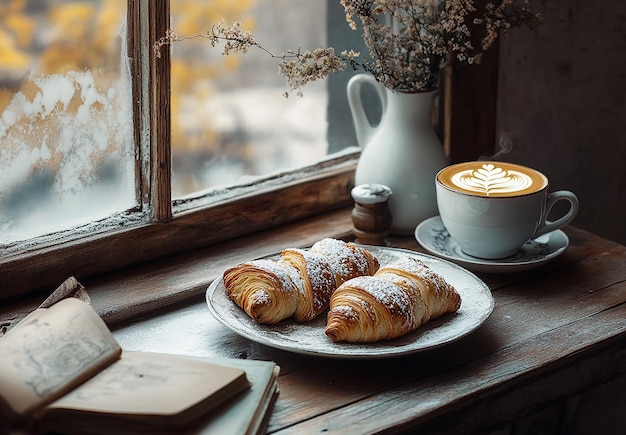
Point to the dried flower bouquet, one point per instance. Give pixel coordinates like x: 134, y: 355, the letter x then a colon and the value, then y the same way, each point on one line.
x: 409, y: 41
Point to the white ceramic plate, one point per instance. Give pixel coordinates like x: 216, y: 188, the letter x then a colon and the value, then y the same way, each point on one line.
x: 309, y: 338
x: 434, y: 237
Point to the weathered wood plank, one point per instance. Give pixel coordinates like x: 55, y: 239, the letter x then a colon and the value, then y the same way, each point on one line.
x: 414, y: 396
x: 160, y: 188
x: 272, y: 207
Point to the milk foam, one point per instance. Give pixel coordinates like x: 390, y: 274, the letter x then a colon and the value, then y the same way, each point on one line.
x: 493, y: 179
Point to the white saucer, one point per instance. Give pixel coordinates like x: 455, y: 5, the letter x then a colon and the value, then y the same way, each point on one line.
x: 434, y: 237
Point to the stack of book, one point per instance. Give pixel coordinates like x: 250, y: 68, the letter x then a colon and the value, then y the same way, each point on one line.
x: 63, y: 371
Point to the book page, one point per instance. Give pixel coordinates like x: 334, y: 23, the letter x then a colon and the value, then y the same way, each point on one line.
x: 245, y: 413
x: 51, y: 352
x: 155, y: 388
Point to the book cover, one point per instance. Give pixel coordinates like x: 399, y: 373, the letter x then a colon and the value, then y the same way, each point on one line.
x: 249, y: 412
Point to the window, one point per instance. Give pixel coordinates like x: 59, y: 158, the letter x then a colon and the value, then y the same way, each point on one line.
x: 149, y: 222
x: 142, y: 224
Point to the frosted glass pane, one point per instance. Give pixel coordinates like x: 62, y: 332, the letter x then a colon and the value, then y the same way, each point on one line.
x: 230, y: 120
x: 66, y: 136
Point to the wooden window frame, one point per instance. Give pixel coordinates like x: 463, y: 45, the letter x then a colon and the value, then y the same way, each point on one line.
x: 274, y: 202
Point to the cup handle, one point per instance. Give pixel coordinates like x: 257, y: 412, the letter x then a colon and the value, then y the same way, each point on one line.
x: 553, y: 198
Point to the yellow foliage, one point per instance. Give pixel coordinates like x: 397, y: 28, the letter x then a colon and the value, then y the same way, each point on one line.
x: 72, y: 21
x: 195, y: 61
x: 10, y: 56
x: 5, y: 98
x: 62, y: 58
x: 12, y: 7
x: 192, y: 17
x: 108, y: 22
x: 16, y: 31
x: 22, y: 26
x: 84, y: 37
x: 232, y: 63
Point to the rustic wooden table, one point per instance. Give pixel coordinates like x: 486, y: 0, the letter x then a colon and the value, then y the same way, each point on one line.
x: 556, y: 332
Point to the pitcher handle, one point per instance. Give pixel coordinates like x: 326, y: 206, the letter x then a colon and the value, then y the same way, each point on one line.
x: 363, y: 128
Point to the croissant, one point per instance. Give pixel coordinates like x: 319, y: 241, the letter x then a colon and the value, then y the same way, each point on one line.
x: 299, y: 284
x: 397, y: 300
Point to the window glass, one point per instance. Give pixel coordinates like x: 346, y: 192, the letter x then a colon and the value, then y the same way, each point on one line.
x: 230, y: 120
x: 66, y: 124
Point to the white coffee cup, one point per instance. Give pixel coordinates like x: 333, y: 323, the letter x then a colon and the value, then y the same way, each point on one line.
x: 492, y: 208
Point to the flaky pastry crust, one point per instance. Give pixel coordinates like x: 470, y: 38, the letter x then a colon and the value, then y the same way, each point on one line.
x: 397, y: 300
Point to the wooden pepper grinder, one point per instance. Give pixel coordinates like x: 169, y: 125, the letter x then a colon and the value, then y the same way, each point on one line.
x: 371, y: 215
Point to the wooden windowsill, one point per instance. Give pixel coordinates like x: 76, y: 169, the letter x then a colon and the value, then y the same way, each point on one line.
x: 157, y: 285
x: 555, y: 336
x: 554, y: 340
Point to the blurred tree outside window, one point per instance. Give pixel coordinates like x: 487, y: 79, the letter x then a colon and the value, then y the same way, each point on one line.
x: 230, y: 120
x: 66, y: 125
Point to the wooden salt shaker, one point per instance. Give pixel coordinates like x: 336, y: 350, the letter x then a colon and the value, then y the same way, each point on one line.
x: 371, y: 215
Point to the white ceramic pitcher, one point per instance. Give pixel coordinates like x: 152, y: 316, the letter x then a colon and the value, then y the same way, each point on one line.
x: 402, y: 151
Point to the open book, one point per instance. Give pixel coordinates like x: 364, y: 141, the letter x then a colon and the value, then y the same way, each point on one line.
x: 63, y: 371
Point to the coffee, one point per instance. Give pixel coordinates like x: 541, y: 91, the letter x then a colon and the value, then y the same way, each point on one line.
x: 492, y: 179
x: 492, y: 208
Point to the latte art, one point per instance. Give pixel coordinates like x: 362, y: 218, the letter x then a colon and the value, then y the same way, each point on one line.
x: 492, y: 179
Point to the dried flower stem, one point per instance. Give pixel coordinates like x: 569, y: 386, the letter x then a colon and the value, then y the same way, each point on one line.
x: 299, y: 67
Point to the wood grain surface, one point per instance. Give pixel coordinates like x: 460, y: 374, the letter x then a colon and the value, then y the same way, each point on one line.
x: 556, y: 331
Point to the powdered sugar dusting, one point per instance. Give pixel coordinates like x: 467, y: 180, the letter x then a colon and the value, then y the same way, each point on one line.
x: 262, y: 297
x: 320, y: 276
x: 384, y: 291
x: 344, y: 261
x: 346, y: 311
x: 440, y: 287
x: 317, y: 269
x: 293, y: 275
x: 280, y: 269
x: 435, y: 281
x: 410, y: 264
x: 309, y: 272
